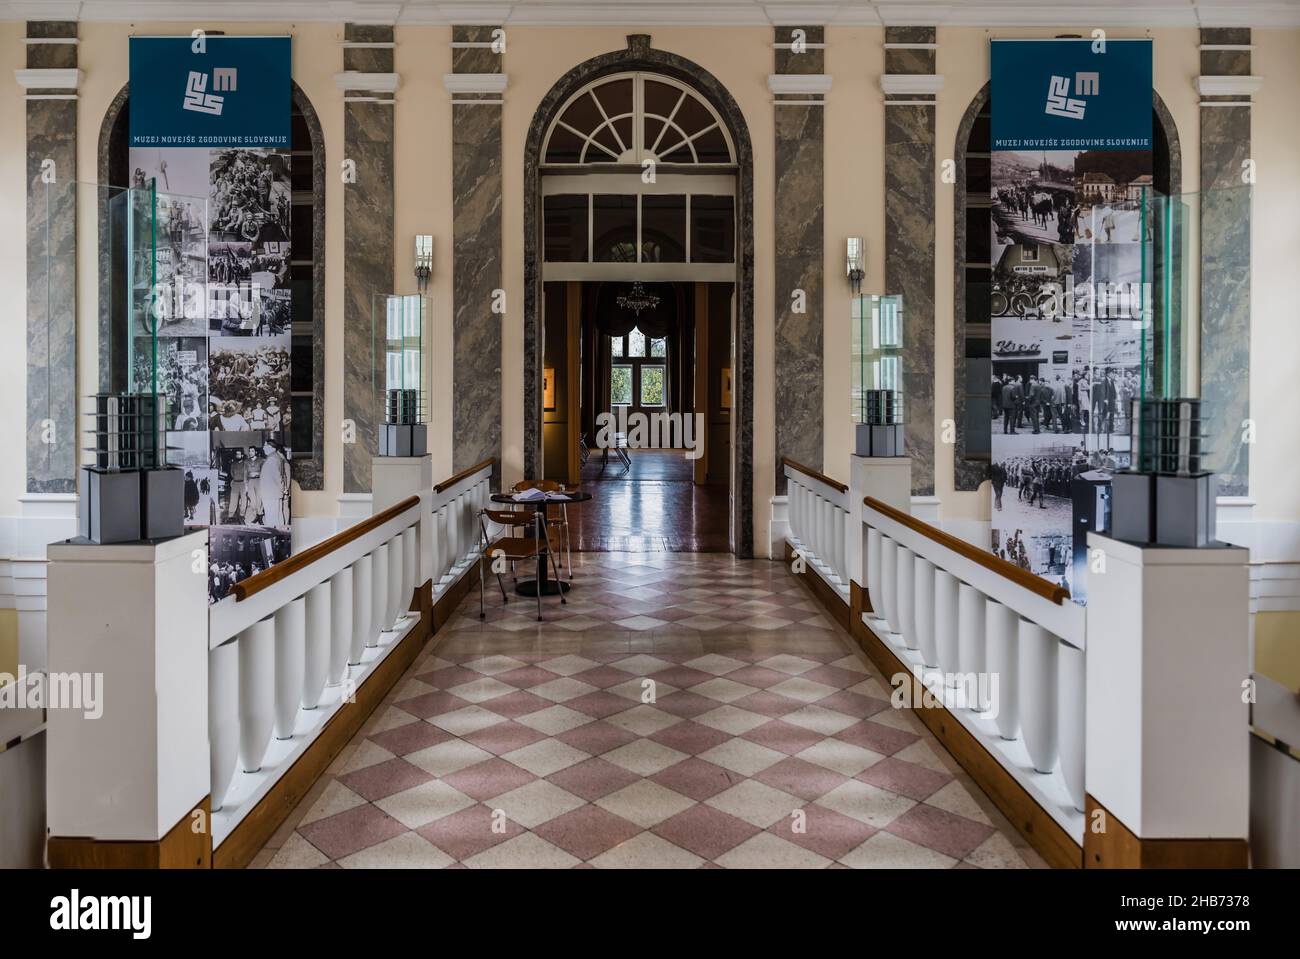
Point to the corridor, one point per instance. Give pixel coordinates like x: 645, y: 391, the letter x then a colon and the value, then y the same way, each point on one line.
x: 681, y: 711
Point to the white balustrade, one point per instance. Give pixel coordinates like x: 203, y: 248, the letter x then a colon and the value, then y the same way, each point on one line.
x: 290, y: 664
x: 393, y: 608
x: 341, y: 625
x: 378, y: 594
x: 362, y: 595
x: 256, y: 693
x: 1007, y: 658
x: 818, y: 516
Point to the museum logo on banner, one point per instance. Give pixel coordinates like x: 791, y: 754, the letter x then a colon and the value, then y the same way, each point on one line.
x: 1070, y: 168
x: 210, y: 130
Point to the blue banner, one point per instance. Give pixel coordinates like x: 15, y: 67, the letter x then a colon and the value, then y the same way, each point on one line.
x: 1071, y: 94
x: 210, y: 91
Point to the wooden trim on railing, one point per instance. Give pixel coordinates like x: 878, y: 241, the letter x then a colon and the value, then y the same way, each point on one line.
x: 820, y: 477
x: 1007, y: 570
x: 299, y: 561
x: 463, y: 475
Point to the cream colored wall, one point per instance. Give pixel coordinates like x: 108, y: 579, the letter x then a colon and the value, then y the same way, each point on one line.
x: 741, y: 59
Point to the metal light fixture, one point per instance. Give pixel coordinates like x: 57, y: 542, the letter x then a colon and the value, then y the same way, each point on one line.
x: 856, y: 273
x: 423, y: 260
x: 637, y: 299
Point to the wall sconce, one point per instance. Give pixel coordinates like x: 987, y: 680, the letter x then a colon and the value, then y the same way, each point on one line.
x: 423, y: 260
x: 856, y: 273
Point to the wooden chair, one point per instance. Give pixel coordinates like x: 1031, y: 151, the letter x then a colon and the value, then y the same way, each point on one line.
x: 561, y: 523
x: 513, y: 549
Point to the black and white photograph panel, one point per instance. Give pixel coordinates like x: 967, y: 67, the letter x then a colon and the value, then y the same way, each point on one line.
x: 1110, y: 186
x: 251, y: 196
x: 188, y: 449
x: 182, y: 375
x: 238, y: 552
x: 250, y: 383
x: 230, y: 261
x: 200, y: 496
x: 175, y: 171
x: 1033, y: 197
x: 1032, y: 281
x: 1108, y: 284
x: 252, y: 478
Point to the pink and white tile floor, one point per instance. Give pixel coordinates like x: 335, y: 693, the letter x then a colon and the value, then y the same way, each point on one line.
x: 681, y: 711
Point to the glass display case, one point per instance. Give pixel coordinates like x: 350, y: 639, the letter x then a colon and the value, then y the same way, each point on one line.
x: 877, y: 374
x: 398, y: 337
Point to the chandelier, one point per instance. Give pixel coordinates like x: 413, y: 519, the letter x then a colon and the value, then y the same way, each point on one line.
x: 637, y: 299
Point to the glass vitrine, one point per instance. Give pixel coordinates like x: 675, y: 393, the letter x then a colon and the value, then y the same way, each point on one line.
x: 399, y: 335
x: 877, y: 374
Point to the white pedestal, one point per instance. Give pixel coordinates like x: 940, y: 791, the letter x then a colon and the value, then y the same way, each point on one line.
x: 393, y: 479
x: 888, y: 479
x: 1167, y: 740
x: 133, y: 619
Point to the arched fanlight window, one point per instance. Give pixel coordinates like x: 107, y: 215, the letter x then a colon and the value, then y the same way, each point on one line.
x: 629, y: 118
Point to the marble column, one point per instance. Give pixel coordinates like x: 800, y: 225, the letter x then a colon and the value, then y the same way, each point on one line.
x: 476, y: 85
x: 50, y: 82
x: 910, y: 86
x: 1225, y: 86
x: 799, y: 88
x: 369, y: 85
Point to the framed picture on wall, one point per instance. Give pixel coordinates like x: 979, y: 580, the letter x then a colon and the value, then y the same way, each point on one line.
x: 726, y: 390
x: 548, y: 390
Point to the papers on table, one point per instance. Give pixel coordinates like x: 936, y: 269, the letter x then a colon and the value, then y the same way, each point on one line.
x: 535, y: 495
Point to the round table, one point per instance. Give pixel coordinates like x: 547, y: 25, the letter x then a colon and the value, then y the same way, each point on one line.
x: 543, y: 582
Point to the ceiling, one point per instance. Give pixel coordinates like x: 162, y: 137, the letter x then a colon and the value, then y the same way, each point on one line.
x: 649, y: 13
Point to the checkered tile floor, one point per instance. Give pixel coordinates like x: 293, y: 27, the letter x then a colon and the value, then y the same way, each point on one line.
x: 683, y: 710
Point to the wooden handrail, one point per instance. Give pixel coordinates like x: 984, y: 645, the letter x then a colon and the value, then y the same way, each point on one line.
x: 462, y: 475
x: 1021, y: 577
x: 299, y: 561
x: 820, y: 477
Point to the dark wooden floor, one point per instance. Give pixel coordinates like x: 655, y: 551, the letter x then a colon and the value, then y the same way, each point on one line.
x: 652, y: 507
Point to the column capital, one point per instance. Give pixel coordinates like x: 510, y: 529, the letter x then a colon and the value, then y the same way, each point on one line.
x: 1228, y: 86
x: 49, y: 78
x: 466, y: 88
x: 911, y: 84
x: 378, y: 87
x: 810, y: 88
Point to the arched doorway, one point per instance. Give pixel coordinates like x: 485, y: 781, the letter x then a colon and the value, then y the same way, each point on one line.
x: 634, y: 162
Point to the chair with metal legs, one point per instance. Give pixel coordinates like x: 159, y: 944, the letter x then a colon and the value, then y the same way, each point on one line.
x: 513, y: 549
x: 559, y: 524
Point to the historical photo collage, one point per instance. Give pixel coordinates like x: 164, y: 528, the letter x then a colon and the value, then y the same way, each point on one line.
x: 221, y: 304
x: 1065, y: 343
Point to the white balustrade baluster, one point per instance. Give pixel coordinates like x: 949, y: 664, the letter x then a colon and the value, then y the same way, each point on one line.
x: 453, y: 536
x: 945, y: 624
x: 889, y: 583
x: 823, y: 531
x: 1002, y: 662
x: 837, y: 519
x: 290, y: 659
x: 363, y: 588
x: 906, y: 603
x: 972, y: 649
x: 256, y: 693
x: 317, y: 664
x: 1038, y: 699
x: 396, y: 576
x: 223, y: 718
x: 340, y: 625
x: 924, y: 612
x: 1070, y: 699
x: 410, y: 567
x: 439, y: 529
x: 873, y: 573
x: 378, y: 593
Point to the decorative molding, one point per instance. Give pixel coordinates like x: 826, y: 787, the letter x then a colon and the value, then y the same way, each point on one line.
x: 32, y: 41
x: 806, y: 84
x: 1228, y: 86
x: 804, y: 46
x: 911, y: 84
x: 646, y: 13
x: 460, y: 83
x: 1227, y: 46
x: 911, y: 46
x: 1226, y: 103
x: 475, y: 103
x: 369, y: 45
x: 68, y: 78
x: 372, y: 82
